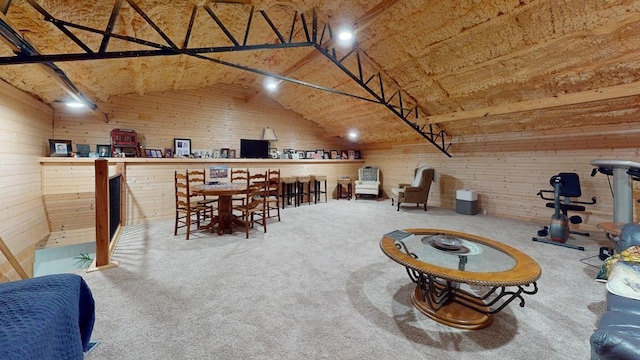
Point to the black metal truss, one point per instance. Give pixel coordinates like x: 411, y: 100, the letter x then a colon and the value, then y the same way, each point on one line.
x: 313, y: 38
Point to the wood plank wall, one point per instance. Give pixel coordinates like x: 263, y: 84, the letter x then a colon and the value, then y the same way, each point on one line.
x: 25, y: 127
x: 212, y: 118
x: 149, y: 184
x: 507, y: 170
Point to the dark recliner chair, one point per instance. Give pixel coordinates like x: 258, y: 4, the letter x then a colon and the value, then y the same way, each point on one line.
x: 618, y: 333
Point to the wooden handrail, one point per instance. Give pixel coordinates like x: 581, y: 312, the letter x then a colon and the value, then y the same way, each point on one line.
x: 12, y: 259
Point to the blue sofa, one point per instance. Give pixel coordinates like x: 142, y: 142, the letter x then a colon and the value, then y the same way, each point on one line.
x: 618, y: 333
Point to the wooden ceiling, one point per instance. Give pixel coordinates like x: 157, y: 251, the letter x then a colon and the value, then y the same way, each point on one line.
x: 465, y: 67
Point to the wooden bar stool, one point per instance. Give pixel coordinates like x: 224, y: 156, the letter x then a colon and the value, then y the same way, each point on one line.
x: 288, y: 191
x: 304, y: 188
x: 317, y: 181
x: 344, y: 188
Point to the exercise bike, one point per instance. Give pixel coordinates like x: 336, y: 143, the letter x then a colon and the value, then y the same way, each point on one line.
x: 567, y: 186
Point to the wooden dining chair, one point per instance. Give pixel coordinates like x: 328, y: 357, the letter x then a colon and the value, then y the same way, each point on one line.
x: 239, y: 176
x: 273, y: 193
x: 253, y: 211
x: 199, y: 177
x: 188, y: 211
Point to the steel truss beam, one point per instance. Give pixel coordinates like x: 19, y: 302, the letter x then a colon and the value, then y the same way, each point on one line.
x: 323, y: 41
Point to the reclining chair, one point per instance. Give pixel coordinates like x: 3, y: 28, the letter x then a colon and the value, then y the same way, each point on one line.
x: 368, y: 182
x: 417, y: 192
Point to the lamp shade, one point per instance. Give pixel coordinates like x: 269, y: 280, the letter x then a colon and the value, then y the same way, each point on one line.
x: 269, y: 135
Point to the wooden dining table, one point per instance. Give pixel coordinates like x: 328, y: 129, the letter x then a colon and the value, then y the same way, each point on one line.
x: 224, y: 192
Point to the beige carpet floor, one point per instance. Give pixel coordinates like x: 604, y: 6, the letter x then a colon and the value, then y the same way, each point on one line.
x: 317, y: 286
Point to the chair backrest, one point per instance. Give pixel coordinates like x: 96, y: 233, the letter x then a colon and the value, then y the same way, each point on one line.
x: 240, y: 175
x: 197, y: 176
x: 273, y: 183
x: 570, y: 185
x: 181, y: 182
x: 256, y: 191
x: 426, y: 178
x: 368, y: 173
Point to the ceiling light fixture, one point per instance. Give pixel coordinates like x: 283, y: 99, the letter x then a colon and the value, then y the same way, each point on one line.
x: 75, y: 104
x: 346, y: 37
x: 271, y: 84
x: 353, y: 135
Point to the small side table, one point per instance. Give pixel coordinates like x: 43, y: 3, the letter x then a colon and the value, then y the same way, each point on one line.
x: 344, y: 188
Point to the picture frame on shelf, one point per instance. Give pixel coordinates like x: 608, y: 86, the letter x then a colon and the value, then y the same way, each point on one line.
x: 82, y: 150
x: 60, y: 148
x: 273, y: 153
x: 320, y: 153
x: 325, y: 156
x: 334, y: 154
x: 309, y: 154
x: 358, y: 154
x: 344, y: 154
x: 181, y: 147
x: 157, y: 153
x: 148, y: 153
x: 103, y: 150
x: 224, y: 153
x: 232, y: 153
x: 301, y: 154
x: 352, y: 154
x: 216, y: 154
x: 168, y: 153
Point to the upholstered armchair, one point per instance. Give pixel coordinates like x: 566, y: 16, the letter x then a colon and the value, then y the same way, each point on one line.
x: 368, y: 182
x: 416, y: 192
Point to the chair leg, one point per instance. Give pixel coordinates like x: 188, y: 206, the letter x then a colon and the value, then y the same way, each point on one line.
x: 425, y: 206
x: 398, y: 206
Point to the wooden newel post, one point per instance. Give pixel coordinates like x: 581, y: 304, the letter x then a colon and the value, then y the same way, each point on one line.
x: 102, y: 212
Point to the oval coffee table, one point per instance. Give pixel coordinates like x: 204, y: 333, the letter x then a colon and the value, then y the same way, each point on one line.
x: 462, y: 279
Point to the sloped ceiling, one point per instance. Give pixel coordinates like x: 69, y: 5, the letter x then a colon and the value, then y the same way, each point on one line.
x: 464, y: 67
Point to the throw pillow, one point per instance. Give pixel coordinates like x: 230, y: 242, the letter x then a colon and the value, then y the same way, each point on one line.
x: 624, y: 279
x: 630, y: 254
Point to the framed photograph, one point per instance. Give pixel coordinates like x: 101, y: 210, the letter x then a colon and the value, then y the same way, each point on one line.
x: 352, y: 154
x: 218, y: 173
x: 334, y: 154
x: 300, y: 154
x: 358, y: 155
x: 344, y: 154
x: 103, y: 150
x: 325, y: 156
x: 157, y: 153
x: 83, y: 150
x: 216, y: 154
x: 232, y: 153
x: 182, y: 147
x: 309, y: 154
x: 273, y: 153
x: 168, y: 153
x: 224, y: 153
x: 320, y: 152
x: 148, y: 153
x: 60, y: 148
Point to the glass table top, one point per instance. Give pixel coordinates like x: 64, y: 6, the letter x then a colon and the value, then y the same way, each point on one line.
x: 457, y: 253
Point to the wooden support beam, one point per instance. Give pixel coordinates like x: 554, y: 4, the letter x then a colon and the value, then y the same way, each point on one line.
x: 603, y: 94
x: 12, y: 259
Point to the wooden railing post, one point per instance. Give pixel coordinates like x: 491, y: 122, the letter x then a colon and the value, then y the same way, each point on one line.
x: 102, y: 214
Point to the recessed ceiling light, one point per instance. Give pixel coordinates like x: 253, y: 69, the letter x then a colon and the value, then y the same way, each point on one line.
x: 353, y: 135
